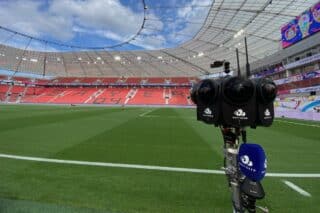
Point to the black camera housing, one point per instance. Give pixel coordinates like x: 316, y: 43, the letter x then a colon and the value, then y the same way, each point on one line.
x: 235, y: 101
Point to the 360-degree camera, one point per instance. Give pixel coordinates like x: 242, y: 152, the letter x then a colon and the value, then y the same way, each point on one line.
x: 235, y: 101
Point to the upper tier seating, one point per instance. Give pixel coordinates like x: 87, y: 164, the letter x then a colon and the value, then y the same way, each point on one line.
x: 133, y: 80
x: 156, y: 80
x: 90, y: 80
x: 42, y: 81
x: 109, y: 80
x: 66, y: 80
x: 3, y: 77
x: 180, y: 80
x: 22, y: 79
x: 299, y: 84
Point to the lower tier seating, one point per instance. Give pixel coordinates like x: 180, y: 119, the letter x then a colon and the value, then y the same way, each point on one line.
x: 90, y: 95
x: 148, y: 96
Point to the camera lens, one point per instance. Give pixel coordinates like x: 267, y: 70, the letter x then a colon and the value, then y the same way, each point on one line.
x: 238, y: 90
x: 267, y: 90
x: 207, y: 91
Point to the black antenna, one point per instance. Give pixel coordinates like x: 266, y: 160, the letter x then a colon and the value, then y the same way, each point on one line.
x: 238, y: 62
x: 247, y: 58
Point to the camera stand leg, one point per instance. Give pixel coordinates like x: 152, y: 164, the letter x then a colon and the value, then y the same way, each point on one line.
x: 241, y: 187
x: 231, y: 144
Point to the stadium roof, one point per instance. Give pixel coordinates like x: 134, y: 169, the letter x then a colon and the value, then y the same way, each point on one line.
x: 223, y: 30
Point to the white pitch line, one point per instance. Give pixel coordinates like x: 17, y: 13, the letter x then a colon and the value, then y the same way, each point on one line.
x: 168, y: 116
x: 297, y: 188
x: 146, y: 167
x: 296, y: 123
x: 147, y: 112
x: 294, y: 175
x: 117, y: 165
x: 150, y: 116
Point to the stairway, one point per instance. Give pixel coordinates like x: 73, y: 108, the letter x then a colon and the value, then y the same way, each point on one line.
x: 7, y: 94
x: 130, y: 95
x: 22, y: 94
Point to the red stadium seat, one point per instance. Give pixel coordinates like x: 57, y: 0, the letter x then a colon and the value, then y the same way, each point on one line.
x: 179, y: 96
x: 148, y: 96
x: 3, y: 92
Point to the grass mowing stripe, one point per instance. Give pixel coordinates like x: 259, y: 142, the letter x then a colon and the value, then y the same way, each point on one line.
x: 39, y: 120
x: 19, y: 206
x: 66, y: 134
x: 297, y: 188
x: 145, y: 167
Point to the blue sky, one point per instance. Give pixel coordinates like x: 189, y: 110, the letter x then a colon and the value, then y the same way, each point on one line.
x: 100, y: 22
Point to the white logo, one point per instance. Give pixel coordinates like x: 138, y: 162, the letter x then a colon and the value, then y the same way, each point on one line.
x: 239, y: 113
x: 265, y: 164
x: 208, y: 111
x: 267, y: 112
x: 246, y: 160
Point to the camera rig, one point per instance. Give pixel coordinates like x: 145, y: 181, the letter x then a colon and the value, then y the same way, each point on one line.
x: 234, y: 103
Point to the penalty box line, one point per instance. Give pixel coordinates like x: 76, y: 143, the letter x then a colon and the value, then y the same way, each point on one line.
x: 146, y: 167
x: 296, y: 188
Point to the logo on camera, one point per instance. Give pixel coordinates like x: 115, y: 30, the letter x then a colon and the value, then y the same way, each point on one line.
x: 267, y: 112
x: 246, y: 160
x: 239, y: 113
x: 208, y: 113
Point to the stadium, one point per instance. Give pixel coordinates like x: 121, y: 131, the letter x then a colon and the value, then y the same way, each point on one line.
x: 97, y: 113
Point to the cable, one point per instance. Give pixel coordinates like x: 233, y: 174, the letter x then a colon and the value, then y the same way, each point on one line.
x: 21, y: 57
x: 178, y: 7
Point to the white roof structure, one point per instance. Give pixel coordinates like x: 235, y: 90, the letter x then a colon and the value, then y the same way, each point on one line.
x: 227, y: 22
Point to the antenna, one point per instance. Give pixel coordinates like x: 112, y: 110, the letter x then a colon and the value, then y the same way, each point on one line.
x: 238, y: 62
x: 247, y: 58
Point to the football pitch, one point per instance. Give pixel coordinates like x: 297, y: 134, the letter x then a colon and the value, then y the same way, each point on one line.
x: 127, y: 160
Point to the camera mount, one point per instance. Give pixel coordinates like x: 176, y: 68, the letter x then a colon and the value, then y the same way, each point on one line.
x: 245, y: 192
x: 234, y: 103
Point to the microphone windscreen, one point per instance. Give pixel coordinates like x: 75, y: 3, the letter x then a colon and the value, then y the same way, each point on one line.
x: 252, y: 161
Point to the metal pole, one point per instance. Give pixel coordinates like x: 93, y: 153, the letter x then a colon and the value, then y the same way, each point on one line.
x: 45, y: 60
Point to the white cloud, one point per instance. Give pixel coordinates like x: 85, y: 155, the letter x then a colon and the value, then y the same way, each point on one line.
x: 193, y: 13
x: 102, y: 33
x: 190, y: 14
x: 99, y: 14
x: 25, y: 16
x: 151, y: 42
x: 62, y: 19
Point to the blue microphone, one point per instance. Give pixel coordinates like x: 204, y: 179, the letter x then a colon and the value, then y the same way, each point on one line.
x: 252, y: 161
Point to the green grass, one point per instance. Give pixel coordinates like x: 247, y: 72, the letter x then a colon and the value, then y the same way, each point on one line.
x: 163, y: 137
